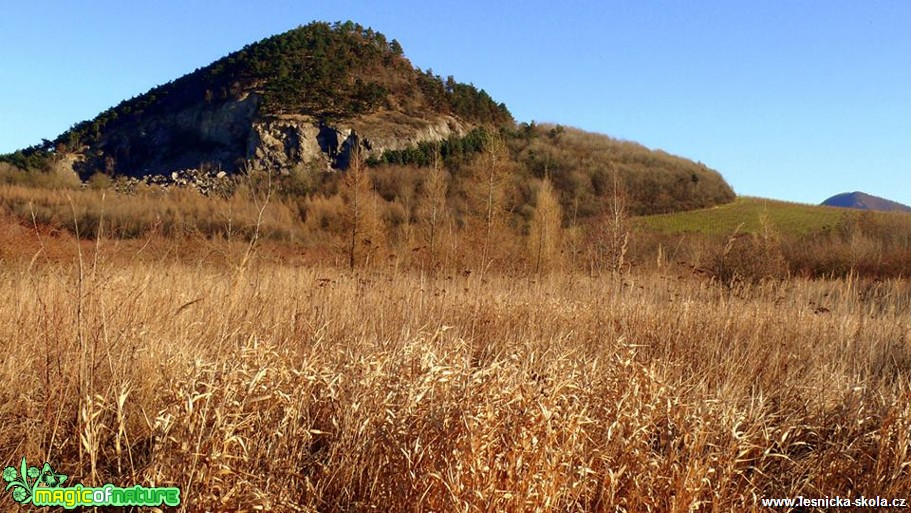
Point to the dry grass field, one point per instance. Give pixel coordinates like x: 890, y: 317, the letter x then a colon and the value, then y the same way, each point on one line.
x: 276, y: 387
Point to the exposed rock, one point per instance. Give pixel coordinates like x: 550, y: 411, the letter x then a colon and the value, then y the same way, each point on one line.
x: 229, y: 135
x: 65, y: 165
x: 206, y: 182
x: 288, y: 142
x: 285, y: 143
x: 213, y: 134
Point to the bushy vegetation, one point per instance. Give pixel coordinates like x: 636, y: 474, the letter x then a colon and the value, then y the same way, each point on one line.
x: 480, y: 212
x: 151, y: 211
x: 454, y: 151
x: 39, y: 179
x: 582, y: 167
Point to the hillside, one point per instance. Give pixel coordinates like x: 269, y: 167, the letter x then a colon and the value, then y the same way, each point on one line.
x: 299, y: 102
x: 755, y: 238
x: 863, y: 201
x: 581, y: 165
x: 744, y: 215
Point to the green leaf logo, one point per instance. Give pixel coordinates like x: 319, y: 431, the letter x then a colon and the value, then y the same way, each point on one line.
x: 22, y: 482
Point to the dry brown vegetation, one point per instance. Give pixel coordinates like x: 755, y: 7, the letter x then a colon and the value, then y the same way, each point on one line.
x: 269, y: 386
x: 584, y: 166
x: 485, y: 213
x: 410, y: 341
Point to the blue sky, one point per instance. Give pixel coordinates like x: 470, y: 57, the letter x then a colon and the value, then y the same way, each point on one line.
x: 790, y: 100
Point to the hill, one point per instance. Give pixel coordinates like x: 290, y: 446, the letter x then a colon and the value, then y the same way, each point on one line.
x: 862, y: 201
x: 300, y: 101
x: 581, y: 165
x: 288, y: 100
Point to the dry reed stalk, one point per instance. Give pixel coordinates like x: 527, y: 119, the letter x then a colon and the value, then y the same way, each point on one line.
x: 315, y: 389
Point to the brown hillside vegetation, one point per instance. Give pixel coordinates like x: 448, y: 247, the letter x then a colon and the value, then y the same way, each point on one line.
x: 256, y: 385
x: 582, y: 163
x: 472, y: 211
x: 480, y: 214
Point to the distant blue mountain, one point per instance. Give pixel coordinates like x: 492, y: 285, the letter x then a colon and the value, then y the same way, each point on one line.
x: 862, y: 201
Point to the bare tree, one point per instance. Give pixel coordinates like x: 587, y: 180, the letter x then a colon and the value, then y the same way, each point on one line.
x: 613, y: 239
x: 546, y: 224
x: 495, y: 175
x: 361, y: 219
x: 433, y: 209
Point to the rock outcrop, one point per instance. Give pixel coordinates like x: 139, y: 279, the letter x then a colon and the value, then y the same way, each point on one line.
x: 292, y: 142
x: 203, y: 135
x: 232, y: 135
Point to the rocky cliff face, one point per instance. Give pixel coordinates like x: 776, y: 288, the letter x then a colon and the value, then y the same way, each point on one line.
x: 229, y: 135
x: 289, y: 142
x: 204, y: 134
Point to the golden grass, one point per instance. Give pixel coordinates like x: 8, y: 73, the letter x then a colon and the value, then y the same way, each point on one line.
x: 281, y: 388
x: 172, y: 213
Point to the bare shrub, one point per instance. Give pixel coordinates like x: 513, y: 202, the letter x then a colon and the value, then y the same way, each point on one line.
x: 748, y: 257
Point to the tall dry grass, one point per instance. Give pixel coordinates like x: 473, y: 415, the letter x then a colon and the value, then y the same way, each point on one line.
x: 286, y: 388
x: 171, y: 213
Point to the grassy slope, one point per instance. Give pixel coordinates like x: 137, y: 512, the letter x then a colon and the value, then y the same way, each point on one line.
x: 745, y: 215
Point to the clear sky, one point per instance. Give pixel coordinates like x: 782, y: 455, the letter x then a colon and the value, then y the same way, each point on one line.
x: 795, y: 100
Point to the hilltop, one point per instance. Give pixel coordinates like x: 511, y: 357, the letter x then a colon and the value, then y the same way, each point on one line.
x: 863, y: 201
